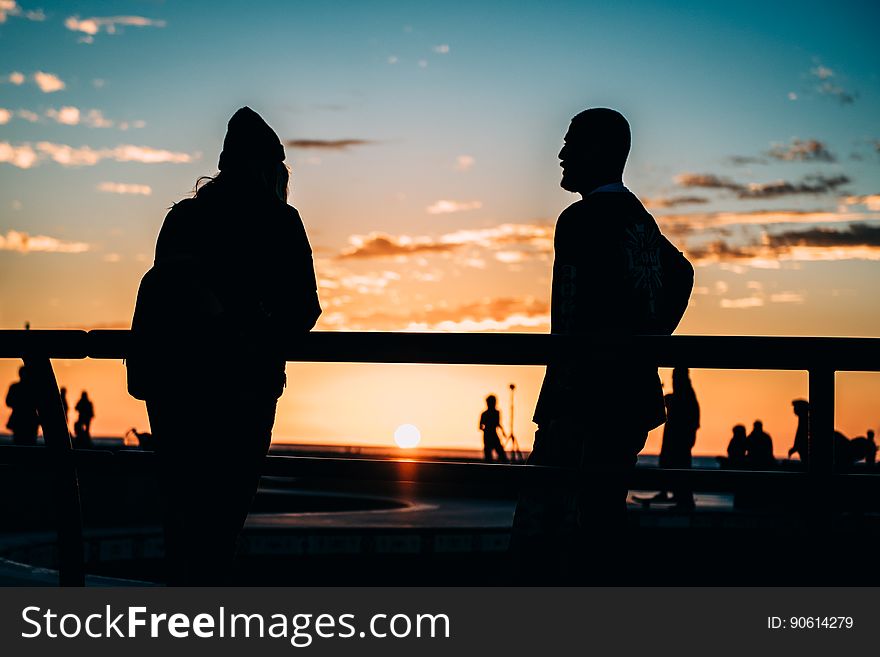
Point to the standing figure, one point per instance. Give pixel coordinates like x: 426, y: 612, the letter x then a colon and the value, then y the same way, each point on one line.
x: 231, y: 289
x: 65, y: 406
x: 614, y: 275
x: 23, y: 420
x: 82, y: 428
x: 759, y: 448
x: 737, y: 447
x: 680, y: 432
x: 801, y: 408
x: 490, y: 424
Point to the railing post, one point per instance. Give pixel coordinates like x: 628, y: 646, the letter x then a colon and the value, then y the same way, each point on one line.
x: 821, y: 436
x: 71, y: 570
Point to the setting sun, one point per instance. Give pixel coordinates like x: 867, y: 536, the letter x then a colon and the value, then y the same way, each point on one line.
x: 407, y: 435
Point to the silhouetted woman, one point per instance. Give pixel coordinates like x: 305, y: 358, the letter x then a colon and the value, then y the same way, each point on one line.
x: 233, y: 282
x: 680, y: 431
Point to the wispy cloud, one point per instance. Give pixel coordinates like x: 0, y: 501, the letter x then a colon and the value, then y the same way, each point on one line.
x: 535, y: 238
x: 25, y: 156
x: 107, y: 24
x: 486, y: 314
x: 12, y: 8
x: 48, y: 82
x: 815, y: 184
x: 327, y: 144
x: 869, y: 201
x: 442, y: 49
x: 828, y: 87
x: 23, y: 243
x: 852, y: 242
x: 673, y: 201
x: 93, y: 118
x: 124, y: 188
x: 809, y: 150
x: 445, y: 206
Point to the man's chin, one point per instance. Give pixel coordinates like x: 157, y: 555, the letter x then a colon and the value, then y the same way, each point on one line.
x: 568, y: 184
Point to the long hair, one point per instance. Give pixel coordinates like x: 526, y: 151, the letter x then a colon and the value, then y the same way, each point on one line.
x: 275, y: 179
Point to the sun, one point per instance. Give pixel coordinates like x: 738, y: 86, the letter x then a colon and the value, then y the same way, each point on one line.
x: 407, y: 435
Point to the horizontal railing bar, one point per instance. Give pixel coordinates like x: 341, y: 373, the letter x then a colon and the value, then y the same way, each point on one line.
x: 458, y: 473
x: 697, y: 351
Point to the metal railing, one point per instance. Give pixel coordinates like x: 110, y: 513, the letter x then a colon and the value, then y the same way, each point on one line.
x: 821, y: 358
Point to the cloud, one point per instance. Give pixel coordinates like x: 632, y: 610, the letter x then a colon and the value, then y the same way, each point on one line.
x: 744, y: 302
x: 5, y: 116
x: 107, y: 24
x: 464, y: 162
x: 381, y: 245
x: 442, y: 49
x: 327, y: 144
x: 12, y: 8
x: 706, y: 180
x: 66, y: 115
x: 444, y: 206
x: 687, y: 223
x: 827, y: 87
x: 124, y: 188
x: 854, y: 235
x: 853, y: 242
x: 27, y: 115
x: 94, y: 118
x: 48, y: 82
x: 25, y: 156
x: 17, y: 78
x: 810, y: 150
x: 673, y: 201
x: 23, y: 243
x: 486, y: 314
x: 531, y: 238
x: 815, y: 184
x: 870, y: 201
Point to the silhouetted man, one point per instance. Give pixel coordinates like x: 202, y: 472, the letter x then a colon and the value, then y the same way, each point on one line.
x: 759, y: 447
x: 801, y: 408
x: 614, y: 274
x: 82, y: 428
x: 490, y: 423
x: 23, y: 420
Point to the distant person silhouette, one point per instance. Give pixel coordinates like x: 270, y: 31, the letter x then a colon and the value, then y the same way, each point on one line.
x: 232, y: 287
x: 65, y: 405
x: 615, y: 275
x: 23, y: 420
x: 737, y: 448
x: 801, y: 408
x: 863, y: 448
x: 759, y: 448
x: 82, y: 427
x: 490, y: 423
x: 680, y: 432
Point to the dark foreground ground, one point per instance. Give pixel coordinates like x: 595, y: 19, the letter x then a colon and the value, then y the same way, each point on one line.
x: 304, y: 532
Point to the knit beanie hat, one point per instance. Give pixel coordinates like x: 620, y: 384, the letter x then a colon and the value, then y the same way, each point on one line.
x: 249, y: 139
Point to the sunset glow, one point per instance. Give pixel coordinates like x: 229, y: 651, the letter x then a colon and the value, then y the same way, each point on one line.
x: 423, y: 143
